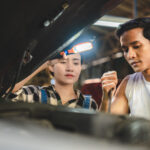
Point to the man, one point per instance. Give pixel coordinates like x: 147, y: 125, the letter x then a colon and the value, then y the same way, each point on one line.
x: 133, y: 94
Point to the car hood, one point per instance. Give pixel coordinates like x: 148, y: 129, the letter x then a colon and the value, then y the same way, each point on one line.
x: 39, y: 29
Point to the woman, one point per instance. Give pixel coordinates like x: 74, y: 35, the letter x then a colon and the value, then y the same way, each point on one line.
x: 66, y: 71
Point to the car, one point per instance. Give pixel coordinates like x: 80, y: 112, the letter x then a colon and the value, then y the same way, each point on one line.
x: 32, y: 32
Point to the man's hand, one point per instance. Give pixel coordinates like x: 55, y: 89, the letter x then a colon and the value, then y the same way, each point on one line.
x: 109, y: 81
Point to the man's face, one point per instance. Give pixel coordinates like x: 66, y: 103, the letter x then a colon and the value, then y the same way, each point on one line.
x: 136, y: 49
x: 67, y: 70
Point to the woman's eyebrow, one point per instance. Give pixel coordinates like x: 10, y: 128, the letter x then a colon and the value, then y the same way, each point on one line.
x: 76, y: 59
x: 62, y: 59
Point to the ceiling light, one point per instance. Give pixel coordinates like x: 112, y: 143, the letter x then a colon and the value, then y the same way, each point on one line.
x: 111, y: 21
x: 107, y: 24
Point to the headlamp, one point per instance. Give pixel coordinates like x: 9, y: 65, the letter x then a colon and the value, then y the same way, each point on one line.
x: 81, y: 47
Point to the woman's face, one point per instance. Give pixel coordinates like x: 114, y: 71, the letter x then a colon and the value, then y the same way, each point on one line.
x: 67, y: 70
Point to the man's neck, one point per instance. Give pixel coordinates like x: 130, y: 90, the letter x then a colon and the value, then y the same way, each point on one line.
x: 146, y: 74
x: 66, y: 92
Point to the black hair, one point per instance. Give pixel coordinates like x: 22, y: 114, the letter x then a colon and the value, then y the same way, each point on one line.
x: 58, y: 56
x: 82, y: 60
x: 135, y: 23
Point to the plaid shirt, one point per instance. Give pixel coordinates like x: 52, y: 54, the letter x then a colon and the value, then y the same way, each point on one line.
x: 33, y: 93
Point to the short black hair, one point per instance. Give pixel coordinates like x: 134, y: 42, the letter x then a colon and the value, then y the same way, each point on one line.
x: 135, y: 23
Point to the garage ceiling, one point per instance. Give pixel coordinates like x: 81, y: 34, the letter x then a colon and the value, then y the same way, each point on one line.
x: 126, y: 8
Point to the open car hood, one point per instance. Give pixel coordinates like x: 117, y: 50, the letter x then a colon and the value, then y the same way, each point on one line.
x: 41, y: 28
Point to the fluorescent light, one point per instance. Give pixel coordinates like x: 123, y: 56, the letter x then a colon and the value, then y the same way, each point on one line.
x: 107, y: 23
x: 111, y: 21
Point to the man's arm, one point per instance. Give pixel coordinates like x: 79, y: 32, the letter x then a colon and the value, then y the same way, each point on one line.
x: 120, y: 102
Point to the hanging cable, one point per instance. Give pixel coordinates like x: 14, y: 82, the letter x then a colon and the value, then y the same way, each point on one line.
x: 6, y: 95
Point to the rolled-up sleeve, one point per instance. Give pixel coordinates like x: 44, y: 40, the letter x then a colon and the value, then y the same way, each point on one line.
x: 28, y: 94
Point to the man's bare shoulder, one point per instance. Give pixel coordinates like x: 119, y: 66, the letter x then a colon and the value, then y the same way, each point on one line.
x: 120, y: 103
x: 125, y: 80
x: 122, y: 86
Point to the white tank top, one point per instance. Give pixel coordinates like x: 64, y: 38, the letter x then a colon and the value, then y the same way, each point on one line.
x: 138, y: 95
